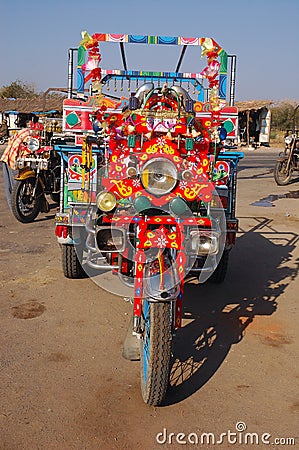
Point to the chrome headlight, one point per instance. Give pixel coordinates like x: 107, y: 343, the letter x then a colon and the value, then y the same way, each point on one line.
x: 204, y: 243
x: 288, y: 139
x: 33, y: 144
x: 110, y: 239
x: 159, y: 176
x: 106, y: 201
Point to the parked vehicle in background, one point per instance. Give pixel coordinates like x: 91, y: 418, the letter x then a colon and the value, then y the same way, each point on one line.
x: 288, y: 161
x: 38, y: 175
x: 4, y: 134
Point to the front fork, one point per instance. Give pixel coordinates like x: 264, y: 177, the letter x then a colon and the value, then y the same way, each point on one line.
x: 25, y: 174
x: 37, y: 179
x: 139, y: 293
x: 290, y: 156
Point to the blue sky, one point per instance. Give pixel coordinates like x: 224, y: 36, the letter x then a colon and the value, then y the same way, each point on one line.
x: 264, y: 34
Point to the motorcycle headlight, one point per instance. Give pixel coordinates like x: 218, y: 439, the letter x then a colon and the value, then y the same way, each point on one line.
x: 106, y: 201
x: 288, y: 140
x: 33, y: 144
x: 20, y: 164
x: 159, y: 176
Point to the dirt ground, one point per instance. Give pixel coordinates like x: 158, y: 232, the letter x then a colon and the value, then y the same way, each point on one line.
x: 64, y: 384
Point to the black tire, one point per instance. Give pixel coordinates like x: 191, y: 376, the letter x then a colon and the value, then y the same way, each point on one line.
x: 219, y: 274
x: 71, y: 264
x: 156, y: 351
x: 282, y: 177
x: 24, y: 206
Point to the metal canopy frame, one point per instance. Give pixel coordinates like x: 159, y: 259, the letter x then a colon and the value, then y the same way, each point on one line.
x: 166, y: 40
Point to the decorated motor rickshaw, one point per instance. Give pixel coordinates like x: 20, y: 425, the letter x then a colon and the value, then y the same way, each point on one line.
x: 147, y: 191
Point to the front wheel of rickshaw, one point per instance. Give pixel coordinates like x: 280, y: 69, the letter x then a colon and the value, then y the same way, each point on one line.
x: 25, y: 204
x: 155, y: 351
x: 282, y: 174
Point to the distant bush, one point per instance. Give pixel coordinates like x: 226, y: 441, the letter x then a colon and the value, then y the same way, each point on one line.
x: 18, y: 89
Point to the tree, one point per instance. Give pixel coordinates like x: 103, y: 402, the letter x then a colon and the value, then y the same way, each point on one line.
x: 18, y: 89
x: 282, y: 115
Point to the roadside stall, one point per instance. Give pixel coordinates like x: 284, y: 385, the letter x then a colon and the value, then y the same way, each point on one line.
x: 254, y: 123
x: 18, y: 112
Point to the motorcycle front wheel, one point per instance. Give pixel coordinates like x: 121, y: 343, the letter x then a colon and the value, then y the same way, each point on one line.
x: 282, y: 175
x: 26, y: 206
x: 155, y: 351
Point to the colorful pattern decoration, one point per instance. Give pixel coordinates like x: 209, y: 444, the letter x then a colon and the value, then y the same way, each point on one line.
x: 221, y: 172
x: 78, y: 114
x: 138, y: 285
x: 157, y: 220
x: 228, y: 117
x: 142, y: 39
x: 198, y: 187
x: 161, y: 238
x: 73, y: 183
x: 149, y: 74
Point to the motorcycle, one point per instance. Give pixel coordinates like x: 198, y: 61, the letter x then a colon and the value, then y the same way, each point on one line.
x: 38, y: 175
x: 148, y: 194
x: 288, y: 160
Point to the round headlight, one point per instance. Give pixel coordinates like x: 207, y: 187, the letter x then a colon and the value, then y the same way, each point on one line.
x: 33, y: 144
x: 159, y: 176
x: 106, y: 201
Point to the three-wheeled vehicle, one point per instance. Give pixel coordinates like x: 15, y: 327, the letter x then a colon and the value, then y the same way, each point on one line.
x: 147, y: 191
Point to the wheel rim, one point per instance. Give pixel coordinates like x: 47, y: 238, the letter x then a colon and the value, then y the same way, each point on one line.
x: 146, y: 339
x: 26, y: 202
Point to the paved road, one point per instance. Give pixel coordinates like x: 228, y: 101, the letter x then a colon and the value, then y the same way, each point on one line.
x: 64, y: 384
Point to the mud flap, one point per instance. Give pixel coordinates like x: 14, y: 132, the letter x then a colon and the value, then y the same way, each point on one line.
x: 131, y: 348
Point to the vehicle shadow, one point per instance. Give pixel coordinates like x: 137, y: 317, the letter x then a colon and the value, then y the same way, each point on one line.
x: 267, y: 174
x: 294, y: 180
x: 44, y: 218
x: 260, y: 270
x: 49, y: 215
